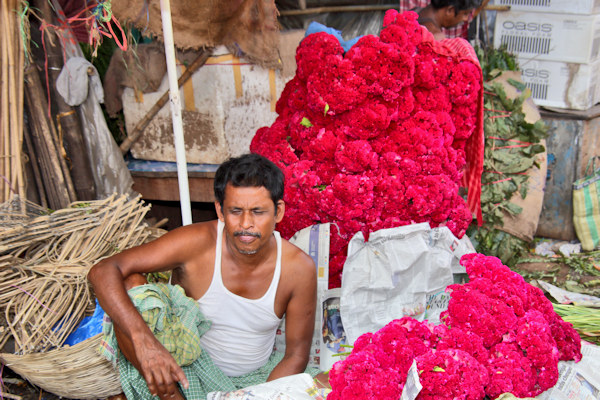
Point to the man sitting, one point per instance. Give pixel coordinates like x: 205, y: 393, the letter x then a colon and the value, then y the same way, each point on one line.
x: 445, y: 14
x: 244, y: 277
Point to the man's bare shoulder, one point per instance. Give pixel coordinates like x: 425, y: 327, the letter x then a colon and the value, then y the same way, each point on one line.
x: 200, y: 230
x: 191, y: 238
x: 294, y: 258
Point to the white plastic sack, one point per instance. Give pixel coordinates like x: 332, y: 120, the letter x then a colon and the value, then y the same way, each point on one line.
x: 108, y: 166
x: 293, y: 387
x: 399, y: 272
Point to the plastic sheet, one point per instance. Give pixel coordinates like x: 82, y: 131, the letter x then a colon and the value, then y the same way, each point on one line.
x: 108, y: 167
x: 351, y: 24
x: 88, y: 327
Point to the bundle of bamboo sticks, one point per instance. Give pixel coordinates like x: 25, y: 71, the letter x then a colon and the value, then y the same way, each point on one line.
x: 11, y: 100
x: 80, y: 234
x: 42, y: 305
x: 44, y: 260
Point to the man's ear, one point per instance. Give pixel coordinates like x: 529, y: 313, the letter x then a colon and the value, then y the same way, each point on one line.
x: 279, y: 211
x: 219, y: 211
x: 451, y: 11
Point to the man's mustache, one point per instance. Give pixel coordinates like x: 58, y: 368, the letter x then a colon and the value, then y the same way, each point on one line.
x: 247, y: 233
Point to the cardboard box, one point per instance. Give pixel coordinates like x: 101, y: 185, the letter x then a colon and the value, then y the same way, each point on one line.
x: 546, y: 36
x: 562, y: 85
x: 584, y: 7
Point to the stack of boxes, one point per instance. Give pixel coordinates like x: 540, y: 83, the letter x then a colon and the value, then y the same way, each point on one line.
x: 557, y: 43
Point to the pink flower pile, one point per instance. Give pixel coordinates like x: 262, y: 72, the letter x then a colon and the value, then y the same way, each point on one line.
x: 373, y: 138
x: 499, y: 335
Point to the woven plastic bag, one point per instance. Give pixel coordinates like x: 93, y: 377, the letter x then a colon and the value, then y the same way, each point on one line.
x: 586, y: 206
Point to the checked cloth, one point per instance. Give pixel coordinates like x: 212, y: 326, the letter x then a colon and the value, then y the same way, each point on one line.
x: 178, y: 323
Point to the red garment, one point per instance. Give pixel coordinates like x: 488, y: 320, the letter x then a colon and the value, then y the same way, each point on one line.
x: 73, y: 8
x: 474, y: 149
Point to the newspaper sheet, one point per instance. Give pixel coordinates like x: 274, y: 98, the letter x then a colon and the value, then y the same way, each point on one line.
x: 333, y: 335
x: 566, y: 297
x: 314, y: 241
x: 577, y: 381
x: 413, y: 386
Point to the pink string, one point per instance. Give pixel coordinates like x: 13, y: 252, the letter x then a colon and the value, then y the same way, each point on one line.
x: 8, y: 183
x: 35, y: 298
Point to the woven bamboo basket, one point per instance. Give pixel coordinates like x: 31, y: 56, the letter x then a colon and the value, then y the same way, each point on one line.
x: 44, y: 259
x: 76, y: 372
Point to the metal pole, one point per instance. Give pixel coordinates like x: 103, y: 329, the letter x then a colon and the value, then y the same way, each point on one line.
x: 182, y: 176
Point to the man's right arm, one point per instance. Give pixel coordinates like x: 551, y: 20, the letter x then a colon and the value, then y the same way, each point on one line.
x: 136, y: 341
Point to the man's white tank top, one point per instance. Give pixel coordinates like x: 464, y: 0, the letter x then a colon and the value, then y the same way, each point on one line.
x: 243, y: 330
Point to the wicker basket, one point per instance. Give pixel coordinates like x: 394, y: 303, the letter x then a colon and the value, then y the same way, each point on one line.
x: 76, y: 372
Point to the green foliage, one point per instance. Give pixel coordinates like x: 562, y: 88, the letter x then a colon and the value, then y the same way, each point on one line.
x: 511, y: 146
x: 306, y: 123
x: 103, y: 56
x: 494, y: 61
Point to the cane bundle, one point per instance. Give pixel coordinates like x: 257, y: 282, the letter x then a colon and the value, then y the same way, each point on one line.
x: 80, y: 234
x: 44, y: 260
x: 11, y: 100
x: 42, y: 308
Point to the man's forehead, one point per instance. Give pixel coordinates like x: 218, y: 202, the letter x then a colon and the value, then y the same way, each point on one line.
x: 247, y: 196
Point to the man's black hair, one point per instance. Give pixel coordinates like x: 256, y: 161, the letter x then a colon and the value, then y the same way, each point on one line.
x: 249, y: 170
x: 458, y: 5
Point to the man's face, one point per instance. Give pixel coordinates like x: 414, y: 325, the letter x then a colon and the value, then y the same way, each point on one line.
x: 454, y: 18
x: 249, y: 216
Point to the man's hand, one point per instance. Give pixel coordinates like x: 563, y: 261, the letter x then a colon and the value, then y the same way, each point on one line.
x: 160, y: 370
x: 155, y: 364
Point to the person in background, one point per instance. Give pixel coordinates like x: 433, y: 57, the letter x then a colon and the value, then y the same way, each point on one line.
x: 445, y: 19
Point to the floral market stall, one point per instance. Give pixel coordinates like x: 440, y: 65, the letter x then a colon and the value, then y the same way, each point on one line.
x: 385, y: 135
x: 379, y: 137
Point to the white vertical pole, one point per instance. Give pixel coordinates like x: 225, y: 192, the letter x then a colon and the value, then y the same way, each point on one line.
x: 182, y: 176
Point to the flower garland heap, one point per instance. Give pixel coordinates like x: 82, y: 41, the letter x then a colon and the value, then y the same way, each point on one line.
x: 373, y: 138
x: 499, y: 335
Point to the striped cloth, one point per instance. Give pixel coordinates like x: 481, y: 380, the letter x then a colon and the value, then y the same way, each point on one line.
x: 177, y: 323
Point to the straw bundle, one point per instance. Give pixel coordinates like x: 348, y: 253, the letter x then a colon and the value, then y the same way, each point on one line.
x: 11, y: 100
x: 44, y: 293
x: 44, y: 308
x: 80, y: 234
x: 76, y: 372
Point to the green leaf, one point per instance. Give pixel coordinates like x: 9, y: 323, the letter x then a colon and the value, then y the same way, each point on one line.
x: 306, y: 123
x: 326, y: 109
x: 513, y: 208
x: 438, y: 369
x: 519, y: 85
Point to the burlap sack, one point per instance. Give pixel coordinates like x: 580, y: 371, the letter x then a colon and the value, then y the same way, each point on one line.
x: 250, y: 26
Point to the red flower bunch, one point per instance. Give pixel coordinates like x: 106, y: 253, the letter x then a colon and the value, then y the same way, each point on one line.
x: 461, y: 376
x: 373, y: 138
x: 499, y: 335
